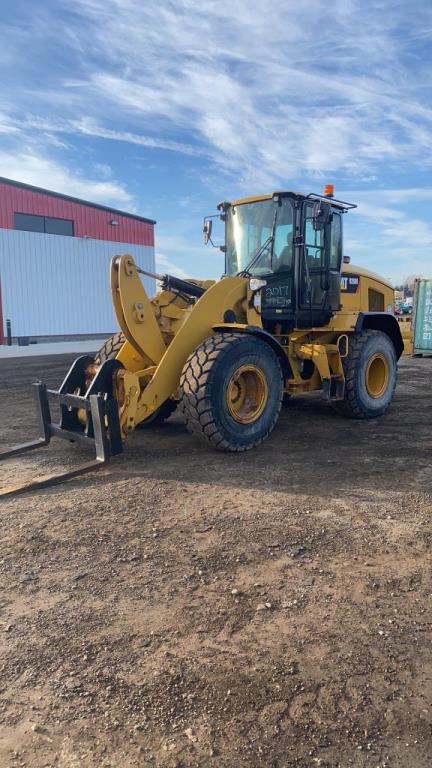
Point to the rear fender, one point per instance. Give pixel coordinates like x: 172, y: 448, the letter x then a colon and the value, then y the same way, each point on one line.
x: 381, y: 321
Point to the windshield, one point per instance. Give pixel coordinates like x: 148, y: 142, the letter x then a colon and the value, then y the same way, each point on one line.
x: 249, y: 226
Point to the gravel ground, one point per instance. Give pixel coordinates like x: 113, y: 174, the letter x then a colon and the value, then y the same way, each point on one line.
x: 185, y: 608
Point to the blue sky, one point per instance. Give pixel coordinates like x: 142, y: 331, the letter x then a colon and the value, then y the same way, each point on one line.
x: 167, y: 108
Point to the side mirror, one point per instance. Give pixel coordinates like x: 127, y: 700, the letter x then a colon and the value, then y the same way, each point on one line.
x: 207, y: 230
x: 321, y: 215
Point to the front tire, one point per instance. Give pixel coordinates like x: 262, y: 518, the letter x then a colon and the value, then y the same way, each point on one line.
x: 370, y: 375
x: 231, y: 391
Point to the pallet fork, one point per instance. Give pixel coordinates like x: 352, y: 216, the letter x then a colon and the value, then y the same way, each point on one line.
x: 101, y: 428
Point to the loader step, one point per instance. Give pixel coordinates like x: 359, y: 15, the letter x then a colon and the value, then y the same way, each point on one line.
x: 334, y: 388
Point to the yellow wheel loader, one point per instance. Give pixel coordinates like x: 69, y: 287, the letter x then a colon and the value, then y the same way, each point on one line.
x: 289, y: 316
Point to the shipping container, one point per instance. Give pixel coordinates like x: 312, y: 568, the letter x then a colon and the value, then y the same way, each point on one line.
x: 422, y: 317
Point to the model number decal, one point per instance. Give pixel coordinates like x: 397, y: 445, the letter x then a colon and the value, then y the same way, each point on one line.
x: 350, y: 283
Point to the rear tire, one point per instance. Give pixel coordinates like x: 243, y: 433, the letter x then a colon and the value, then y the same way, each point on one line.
x: 370, y: 376
x: 231, y: 391
x: 109, y: 351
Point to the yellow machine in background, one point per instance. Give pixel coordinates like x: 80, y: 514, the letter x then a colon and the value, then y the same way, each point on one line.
x: 406, y: 329
x: 284, y: 320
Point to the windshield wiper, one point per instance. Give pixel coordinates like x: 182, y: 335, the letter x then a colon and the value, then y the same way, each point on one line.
x: 270, y: 241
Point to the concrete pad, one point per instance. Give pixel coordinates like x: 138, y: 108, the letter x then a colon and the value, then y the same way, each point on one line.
x: 51, y: 348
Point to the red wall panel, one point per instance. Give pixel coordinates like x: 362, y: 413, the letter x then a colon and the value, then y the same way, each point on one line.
x: 88, y: 221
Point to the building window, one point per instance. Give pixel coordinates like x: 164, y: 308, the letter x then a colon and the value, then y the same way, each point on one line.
x: 58, y: 226
x: 47, y: 224
x: 29, y: 223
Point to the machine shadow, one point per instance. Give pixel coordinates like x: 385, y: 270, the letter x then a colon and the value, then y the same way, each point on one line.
x: 313, y: 451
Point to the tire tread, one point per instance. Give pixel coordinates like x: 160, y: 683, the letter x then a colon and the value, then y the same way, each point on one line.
x: 195, y: 405
x: 349, y: 407
x: 111, y: 348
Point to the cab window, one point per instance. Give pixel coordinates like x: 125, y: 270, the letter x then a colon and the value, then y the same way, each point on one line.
x: 336, y: 242
x: 314, y: 242
x: 248, y: 228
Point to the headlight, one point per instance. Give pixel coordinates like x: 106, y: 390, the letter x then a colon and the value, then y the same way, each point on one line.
x: 255, y: 283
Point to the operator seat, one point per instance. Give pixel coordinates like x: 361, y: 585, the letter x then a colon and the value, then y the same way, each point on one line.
x: 284, y: 260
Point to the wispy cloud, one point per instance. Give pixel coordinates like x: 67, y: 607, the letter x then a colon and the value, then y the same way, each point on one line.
x: 267, y: 100
x: 166, y: 265
x: 389, y: 231
x: 33, y: 168
x: 415, y: 232
x: 87, y: 126
x: 8, y: 126
x: 268, y: 94
x: 262, y: 95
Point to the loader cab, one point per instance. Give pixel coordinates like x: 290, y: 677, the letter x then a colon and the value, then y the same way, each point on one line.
x: 292, y: 245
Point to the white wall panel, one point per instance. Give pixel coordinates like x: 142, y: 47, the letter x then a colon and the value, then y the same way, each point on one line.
x: 53, y: 284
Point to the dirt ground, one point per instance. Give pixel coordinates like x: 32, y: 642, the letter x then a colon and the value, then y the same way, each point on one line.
x: 185, y: 608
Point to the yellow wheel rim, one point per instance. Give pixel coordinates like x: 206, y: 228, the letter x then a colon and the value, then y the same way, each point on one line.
x: 247, y: 394
x: 377, y: 375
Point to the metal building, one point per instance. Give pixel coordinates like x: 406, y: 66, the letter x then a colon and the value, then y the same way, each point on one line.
x: 55, y: 252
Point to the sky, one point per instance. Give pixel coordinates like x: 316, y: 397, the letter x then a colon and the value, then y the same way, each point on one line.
x: 167, y: 108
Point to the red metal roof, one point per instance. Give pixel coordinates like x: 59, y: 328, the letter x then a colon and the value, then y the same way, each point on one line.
x: 90, y: 219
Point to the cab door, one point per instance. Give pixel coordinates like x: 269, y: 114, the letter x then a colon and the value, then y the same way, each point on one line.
x: 319, y: 269
x: 278, y: 296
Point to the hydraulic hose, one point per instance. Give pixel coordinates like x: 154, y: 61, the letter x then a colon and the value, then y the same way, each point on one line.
x: 171, y: 283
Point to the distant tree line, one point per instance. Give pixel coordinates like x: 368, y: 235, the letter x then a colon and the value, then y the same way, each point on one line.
x: 407, y: 287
